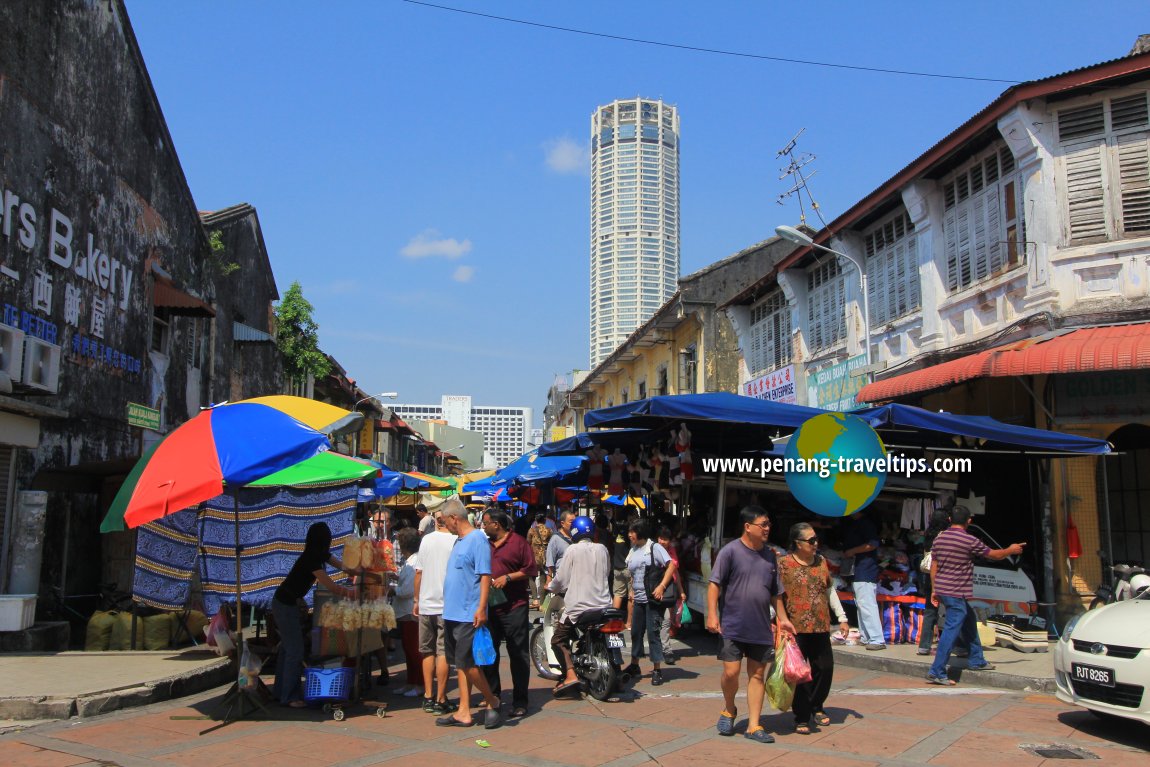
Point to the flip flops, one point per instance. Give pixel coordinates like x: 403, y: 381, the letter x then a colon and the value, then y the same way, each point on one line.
x: 821, y: 718
x: 942, y: 681
x: 565, y: 688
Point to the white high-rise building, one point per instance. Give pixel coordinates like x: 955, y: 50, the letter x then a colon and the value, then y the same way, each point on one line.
x: 634, y: 217
x: 505, y: 429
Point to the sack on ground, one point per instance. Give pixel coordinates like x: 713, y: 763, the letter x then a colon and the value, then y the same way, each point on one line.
x: 482, y: 648
x: 121, y: 638
x: 893, y: 627
x: 913, y: 620
x: 99, y: 634
x: 796, y: 669
x: 157, y: 631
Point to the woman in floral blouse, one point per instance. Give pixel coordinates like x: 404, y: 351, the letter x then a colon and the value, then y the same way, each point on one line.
x: 538, y: 536
x: 810, y: 597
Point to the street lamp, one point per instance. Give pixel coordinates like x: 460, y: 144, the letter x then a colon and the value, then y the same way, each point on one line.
x: 383, y: 395
x: 790, y: 234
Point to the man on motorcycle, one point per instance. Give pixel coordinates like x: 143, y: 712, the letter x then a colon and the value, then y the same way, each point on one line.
x: 583, y: 578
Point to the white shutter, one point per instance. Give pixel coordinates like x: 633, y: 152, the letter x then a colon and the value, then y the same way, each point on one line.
x: 949, y: 225
x: 962, y: 232
x: 1134, y: 181
x: 1084, y: 192
x: 994, y: 234
x: 875, y: 277
x: 979, y: 237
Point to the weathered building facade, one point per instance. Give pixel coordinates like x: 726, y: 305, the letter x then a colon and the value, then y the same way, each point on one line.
x: 118, y: 322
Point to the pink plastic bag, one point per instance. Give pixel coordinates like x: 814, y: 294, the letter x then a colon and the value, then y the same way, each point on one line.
x: 796, y: 669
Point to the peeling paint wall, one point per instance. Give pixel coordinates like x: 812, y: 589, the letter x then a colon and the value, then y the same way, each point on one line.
x: 93, y: 194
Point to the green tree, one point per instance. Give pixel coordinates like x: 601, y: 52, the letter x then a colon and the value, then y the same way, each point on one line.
x: 297, y: 336
x: 220, y: 254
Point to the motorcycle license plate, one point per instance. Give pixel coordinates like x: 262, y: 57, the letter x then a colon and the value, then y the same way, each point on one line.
x: 1080, y: 672
x: 614, y: 640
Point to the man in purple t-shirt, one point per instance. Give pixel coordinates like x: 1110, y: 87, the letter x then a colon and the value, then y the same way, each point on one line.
x: 952, y: 558
x: 744, y: 584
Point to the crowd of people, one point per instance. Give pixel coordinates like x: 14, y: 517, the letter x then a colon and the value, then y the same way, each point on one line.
x: 461, y: 570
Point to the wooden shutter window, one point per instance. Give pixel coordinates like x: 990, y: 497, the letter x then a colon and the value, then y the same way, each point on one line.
x: 1134, y: 179
x: 1080, y: 123
x: 1084, y: 192
x: 1129, y: 112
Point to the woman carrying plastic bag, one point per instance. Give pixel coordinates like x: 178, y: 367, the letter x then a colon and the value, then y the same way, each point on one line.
x: 810, y: 597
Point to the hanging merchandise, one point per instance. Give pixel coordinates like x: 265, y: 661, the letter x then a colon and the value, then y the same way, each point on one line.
x: 349, y: 615
x: 683, y: 446
x: 617, y: 463
x: 595, y: 458
x: 674, y: 473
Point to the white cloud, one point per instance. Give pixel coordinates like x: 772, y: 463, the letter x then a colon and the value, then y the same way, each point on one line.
x: 463, y: 273
x: 428, y: 244
x: 565, y: 155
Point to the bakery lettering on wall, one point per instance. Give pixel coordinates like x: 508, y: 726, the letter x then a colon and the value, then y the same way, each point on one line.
x: 79, y: 279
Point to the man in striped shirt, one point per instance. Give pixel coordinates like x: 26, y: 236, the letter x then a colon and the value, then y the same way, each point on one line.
x: 952, y: 573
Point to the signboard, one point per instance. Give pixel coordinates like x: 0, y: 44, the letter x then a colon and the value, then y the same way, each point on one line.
x: 834, y: 388
x: 1003, y: 591
x: 143, y: 416
x: 1102, y: 397
x: 776, y: 386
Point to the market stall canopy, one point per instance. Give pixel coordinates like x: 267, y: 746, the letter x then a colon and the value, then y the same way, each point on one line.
x: 914, y: 426
x: 721, y: 423
x: 531, y: 468
x: 434, y: 483
x: 233, y: 444
x: 624, y: 439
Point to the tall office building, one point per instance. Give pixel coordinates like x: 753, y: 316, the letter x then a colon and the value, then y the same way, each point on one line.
x: 634, y: 217
x: 505, y: 429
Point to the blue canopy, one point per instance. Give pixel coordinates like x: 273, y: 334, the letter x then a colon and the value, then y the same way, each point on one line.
x: 625, y: 439
x: 529, y: 468
x: 898, y: 423
x: 713, y: 406
x: 390, y: 482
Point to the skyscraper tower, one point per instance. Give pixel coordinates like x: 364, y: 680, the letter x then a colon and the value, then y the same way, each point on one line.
x: 634, y: 217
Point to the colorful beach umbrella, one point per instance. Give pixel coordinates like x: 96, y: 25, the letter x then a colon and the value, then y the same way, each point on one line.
x: 231, y: 444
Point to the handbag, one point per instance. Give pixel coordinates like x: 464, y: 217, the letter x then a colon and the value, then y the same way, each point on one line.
x: 924, y: 565
x: 496, y: 597
x: 653, y: 576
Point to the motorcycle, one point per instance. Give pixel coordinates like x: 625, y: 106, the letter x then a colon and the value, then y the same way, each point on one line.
x: 542, y: 658
x: 1127, y: 582
x: 597, y: 652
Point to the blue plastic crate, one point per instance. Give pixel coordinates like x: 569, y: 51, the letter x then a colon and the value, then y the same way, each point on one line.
x: 327, y: 683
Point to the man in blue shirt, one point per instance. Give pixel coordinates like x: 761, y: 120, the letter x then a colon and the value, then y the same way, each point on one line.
x: 464, y: 610
x: 861, y: 541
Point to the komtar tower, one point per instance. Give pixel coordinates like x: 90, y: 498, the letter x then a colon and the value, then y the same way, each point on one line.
x: 634, y: 217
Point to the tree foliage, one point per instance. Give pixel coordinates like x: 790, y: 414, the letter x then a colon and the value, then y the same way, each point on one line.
x: 220, y: 254
x: 297, y: 336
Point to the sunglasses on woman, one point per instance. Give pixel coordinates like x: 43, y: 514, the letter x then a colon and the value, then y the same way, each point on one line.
x: 811, y: 541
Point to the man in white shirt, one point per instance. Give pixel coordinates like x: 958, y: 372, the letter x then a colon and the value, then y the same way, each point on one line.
x: 426, y: 521
x: 430, y: 573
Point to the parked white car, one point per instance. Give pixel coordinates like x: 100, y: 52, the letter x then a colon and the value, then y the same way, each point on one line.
x: 1102, y: 662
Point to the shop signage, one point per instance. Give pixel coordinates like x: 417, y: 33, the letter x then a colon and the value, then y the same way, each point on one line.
x: 1006, y: 590
x: 834, y: 388
x: 1102, y: 397
x: 143, y: 416
x: 776, y: 386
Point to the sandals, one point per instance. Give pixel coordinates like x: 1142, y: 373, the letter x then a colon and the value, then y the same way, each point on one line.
x: 802, y: 729
x: 821, y: 718
x: 726, y: 723
x: 565, y: 687
x: 942, y: 681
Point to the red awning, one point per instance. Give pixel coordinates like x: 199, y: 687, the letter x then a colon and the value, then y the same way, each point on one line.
x: 169, y: 297
x: 1116, y: 347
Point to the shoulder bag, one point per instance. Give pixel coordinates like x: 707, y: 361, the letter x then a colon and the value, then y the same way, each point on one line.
x: 653, y: 576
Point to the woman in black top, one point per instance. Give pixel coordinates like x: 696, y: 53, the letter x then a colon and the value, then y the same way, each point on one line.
x: 309, y: 568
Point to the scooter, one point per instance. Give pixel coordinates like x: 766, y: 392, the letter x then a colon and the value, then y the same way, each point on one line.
x: 1127, y: 582
x: 598, y: 653
x: 542, y: 658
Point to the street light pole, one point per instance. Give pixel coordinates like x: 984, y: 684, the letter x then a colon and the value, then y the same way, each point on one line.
x: 383, y: 395
x: 791, y: 234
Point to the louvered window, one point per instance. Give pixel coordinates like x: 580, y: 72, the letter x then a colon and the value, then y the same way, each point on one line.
x: 770, y: 336
x: 826, y: 306
x: 1106, y: 168
x: 983, y: 231
x: 892, y: 269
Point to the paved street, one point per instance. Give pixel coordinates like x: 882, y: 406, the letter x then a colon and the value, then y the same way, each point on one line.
x: 878, y: 719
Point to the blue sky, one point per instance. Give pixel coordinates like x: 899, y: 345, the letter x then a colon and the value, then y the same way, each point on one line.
x: 424, y: 174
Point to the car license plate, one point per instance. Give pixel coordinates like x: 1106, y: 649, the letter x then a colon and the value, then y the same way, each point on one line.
x: 614, y: 640
x: 1093, y: 674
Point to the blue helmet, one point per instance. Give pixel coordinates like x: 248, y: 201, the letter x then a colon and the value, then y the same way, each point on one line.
x: 582, y: 527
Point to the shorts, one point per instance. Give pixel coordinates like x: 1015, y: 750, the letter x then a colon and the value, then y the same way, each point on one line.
x: 457, y: 640
x: 621, y: 583
x: 734, y: 651
x: 431, y: 634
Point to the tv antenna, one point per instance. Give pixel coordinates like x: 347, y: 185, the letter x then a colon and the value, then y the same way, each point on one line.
x: 794, y: 169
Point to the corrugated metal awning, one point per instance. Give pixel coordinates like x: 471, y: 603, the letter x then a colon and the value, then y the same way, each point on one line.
x: 1087, y: 350
x: 242, y: 333
x: 176, y: 301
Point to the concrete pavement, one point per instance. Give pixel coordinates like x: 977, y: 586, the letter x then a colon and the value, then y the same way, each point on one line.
x: 877, y: 719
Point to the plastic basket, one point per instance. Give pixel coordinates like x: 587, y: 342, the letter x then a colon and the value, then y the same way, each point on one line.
x: 327, y: 683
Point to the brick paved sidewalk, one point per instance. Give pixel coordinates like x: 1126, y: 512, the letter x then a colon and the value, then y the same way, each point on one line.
x: 877, y: 719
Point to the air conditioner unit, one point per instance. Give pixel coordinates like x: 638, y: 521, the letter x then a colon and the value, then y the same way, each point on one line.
x: 41, y: 365
x: 11, y: 351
